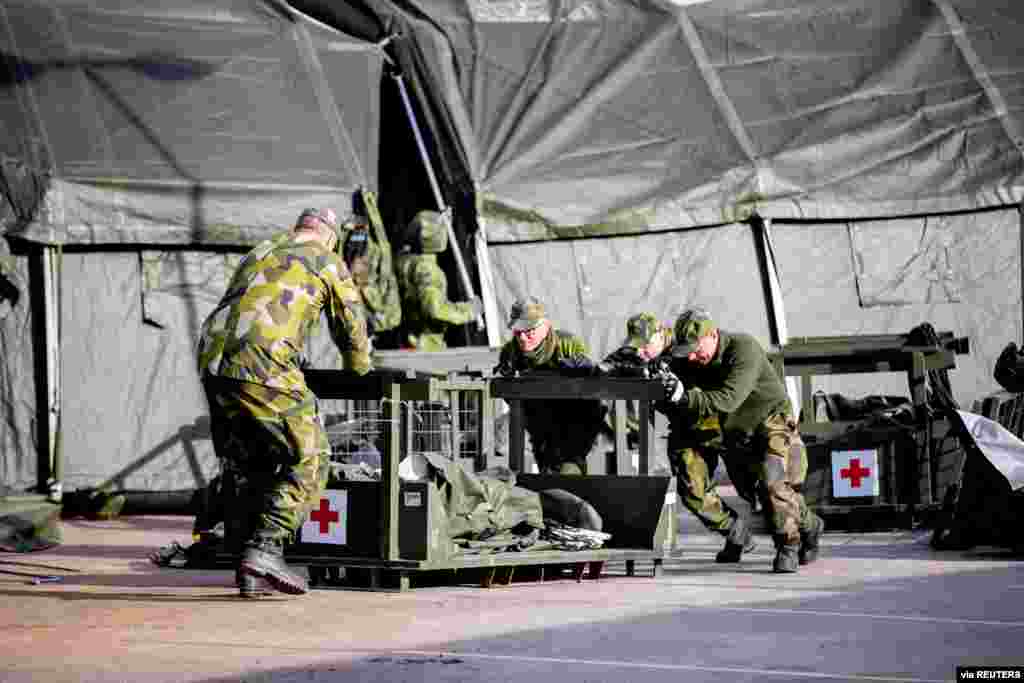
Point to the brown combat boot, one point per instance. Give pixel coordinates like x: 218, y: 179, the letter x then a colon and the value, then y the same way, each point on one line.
x: 266, y: 561
x: 739, y: 540
x: 810, y: 539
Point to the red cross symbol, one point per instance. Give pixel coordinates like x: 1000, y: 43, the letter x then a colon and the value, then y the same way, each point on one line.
x: 854, y: 473
x: 325, y: 515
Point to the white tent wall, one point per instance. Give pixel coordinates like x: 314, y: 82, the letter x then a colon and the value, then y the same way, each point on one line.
x: 592, y: 286
x: 134, y: 129
x: 134, y: 413
x: 960, y: 273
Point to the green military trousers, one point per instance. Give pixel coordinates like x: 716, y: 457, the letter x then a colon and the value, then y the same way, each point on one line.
x: 274, y: 454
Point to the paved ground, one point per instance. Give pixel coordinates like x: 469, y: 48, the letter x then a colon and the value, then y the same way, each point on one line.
x: 877, y: 607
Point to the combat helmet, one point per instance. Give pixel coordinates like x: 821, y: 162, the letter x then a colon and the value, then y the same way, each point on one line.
x: 431, y: 230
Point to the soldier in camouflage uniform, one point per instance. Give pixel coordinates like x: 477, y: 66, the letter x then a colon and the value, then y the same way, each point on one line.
x: 427, y: 312
x: 562, y: 431
x: 266, y: 425
x: 367, y: 252
x: 729, y: 375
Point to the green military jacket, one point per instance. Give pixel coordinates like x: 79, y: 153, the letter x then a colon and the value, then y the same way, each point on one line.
x: 259, y: 329
x: 740, y: 386
x: 427, y: 310
x: 557, y: 347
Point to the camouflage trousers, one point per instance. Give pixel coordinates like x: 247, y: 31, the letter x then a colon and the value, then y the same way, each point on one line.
x: 774, y: 457
x: 693, y: 454
x: 274, y: 454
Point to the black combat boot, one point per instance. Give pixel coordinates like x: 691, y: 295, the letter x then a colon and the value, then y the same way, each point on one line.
x: 809, y: 540
x: 265, y: 560
x: 250, y: 586
x: 787, y: 559
x: 739, y: 540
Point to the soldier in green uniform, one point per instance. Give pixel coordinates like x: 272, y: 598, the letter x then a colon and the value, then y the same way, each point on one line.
x: 265, y: 422
x: 427, y: 312
x: 728, y: 375
x: 367, y: 253
x: 648, y: 347
x: 562, y: 431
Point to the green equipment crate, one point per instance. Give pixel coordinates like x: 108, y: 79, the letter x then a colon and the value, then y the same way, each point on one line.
x: 392, y: 530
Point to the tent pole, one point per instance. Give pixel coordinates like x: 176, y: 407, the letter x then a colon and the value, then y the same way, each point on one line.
x: 441, y: 206
x: 483, y: 259
x: 776, y: 306
x: 51, y: 313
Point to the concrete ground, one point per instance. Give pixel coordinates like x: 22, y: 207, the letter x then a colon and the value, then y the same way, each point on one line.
x: 876, y: 607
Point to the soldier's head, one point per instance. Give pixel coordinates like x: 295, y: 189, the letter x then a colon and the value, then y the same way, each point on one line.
x: 322, y: 224
x: 428, y: 228
x: 696, y: 336
x: 529, y: 323
x: 647, y: 335
x: 355, y: 249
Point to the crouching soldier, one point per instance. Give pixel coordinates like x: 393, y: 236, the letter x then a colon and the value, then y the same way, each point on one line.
x: 728, y: 375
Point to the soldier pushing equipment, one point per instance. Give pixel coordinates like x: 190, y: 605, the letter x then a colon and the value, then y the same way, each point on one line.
x: 267, y: 429
x: 728, y: 376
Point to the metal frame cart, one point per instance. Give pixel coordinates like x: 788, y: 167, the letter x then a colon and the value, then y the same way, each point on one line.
x: 396, y: 528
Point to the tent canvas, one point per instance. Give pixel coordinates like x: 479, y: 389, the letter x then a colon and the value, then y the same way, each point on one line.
x: 609, y: 143
x: 605, y: 152
x: 147, y: 148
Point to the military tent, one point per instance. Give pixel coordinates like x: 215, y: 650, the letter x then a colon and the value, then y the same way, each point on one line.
x: 615, y: 150
x: 146, y: 146
x: 605, y: 155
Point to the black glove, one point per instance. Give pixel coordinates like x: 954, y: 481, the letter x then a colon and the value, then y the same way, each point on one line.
x: 624, y: 362
x: 577, y: 366
x: 504, y: 370
x: 675, y: 392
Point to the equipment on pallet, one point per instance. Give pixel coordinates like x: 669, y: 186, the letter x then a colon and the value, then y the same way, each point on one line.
x: 468, y: 510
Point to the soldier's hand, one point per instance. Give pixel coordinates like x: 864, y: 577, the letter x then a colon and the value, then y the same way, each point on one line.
x: 577, y: 366
x: 624, y: 362
x: 673, y: 386
x: 504, y: 370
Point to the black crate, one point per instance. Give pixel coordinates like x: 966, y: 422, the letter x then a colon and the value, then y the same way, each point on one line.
x: 897, y: 463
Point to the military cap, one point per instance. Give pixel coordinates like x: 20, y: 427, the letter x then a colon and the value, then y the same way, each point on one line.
x: 640, y: 330
x: 325, y: 216
x: 526, y: 314
x: 690, y: 326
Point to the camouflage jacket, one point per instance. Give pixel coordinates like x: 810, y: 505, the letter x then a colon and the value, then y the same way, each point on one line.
x: 380, y: 290
x: 427, y: 310
x: 259, y: 329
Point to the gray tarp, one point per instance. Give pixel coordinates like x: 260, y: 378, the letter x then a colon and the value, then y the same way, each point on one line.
x: 127, y: 127
x: 599, y: 117
x: 180, y: 122
x: 186, y: 122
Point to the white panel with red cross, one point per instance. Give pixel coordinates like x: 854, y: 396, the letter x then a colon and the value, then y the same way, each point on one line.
x: 328, y: 520
x: 855, y: 473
